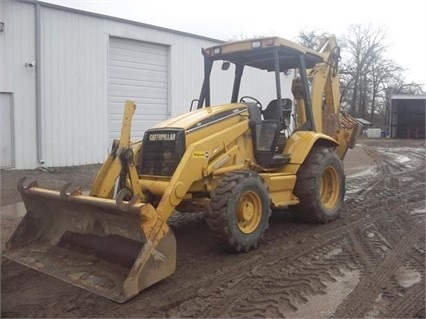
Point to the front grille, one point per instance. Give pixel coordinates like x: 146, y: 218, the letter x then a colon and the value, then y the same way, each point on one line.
x: 162, y: 150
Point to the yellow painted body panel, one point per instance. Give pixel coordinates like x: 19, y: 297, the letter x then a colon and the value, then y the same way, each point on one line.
x: 300, y: 144
x: 267, y: 42
x: 280, y: 188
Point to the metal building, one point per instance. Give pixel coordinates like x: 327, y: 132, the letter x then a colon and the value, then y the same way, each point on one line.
x: 408, y: 114
x: 65, y: 75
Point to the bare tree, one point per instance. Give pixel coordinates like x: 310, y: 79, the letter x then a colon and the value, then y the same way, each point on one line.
x: 311, y: 39
x: 363, y: 50
x: 382, y: 72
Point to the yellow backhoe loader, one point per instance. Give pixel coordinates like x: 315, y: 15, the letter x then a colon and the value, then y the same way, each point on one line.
x: 239, y: 161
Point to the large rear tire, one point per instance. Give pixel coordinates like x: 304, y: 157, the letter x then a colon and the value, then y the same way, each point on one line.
x: 239, y: 211
x: 320, y: 186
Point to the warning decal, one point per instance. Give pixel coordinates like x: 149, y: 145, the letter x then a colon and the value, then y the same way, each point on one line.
x: 201, y: 154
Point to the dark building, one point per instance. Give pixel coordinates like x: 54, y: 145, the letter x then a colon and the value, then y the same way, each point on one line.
x: 407, y: 116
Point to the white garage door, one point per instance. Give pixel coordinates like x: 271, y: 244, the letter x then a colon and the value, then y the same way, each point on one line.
x: 138, y: 71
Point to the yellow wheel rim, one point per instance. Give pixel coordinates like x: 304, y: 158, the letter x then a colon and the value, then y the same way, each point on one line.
x: 249, y: 212
x: 330, y: 187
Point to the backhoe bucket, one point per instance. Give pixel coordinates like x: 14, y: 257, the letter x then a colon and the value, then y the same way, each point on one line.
x: 94, y: 243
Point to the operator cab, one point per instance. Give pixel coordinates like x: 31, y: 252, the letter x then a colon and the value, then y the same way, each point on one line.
x: 270, y: 132
x: 270, y: 126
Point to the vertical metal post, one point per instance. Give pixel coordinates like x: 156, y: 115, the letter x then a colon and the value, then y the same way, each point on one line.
x: 306, y: 93
x: 205, y: 90
x: 239, y: 68
x: 278, y: 83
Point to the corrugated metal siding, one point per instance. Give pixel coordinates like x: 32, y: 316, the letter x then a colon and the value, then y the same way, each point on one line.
x: 75, y: 106
x: 138, y: 71
x: 19, y: 40
x: 187, y: 72
x: 6, y: 111
x: 74, y: 86
x: 3, y: 72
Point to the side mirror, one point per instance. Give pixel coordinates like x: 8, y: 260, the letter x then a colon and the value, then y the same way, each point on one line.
x: 225, y: 65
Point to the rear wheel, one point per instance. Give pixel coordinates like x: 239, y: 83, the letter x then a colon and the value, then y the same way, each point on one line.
x: 320, y: 186
x: 239, y: 211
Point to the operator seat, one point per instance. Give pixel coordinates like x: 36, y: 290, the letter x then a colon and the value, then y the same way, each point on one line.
x: 271, y: 111
x: 255, y: 113
x: 266, y: 138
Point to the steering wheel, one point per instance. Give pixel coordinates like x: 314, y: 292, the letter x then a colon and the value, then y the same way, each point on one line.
x: 258, y: 104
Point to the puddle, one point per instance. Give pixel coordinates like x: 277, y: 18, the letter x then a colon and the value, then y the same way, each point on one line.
x: 333, y: 253
x: 370, y: 171
x: 401, y: 159
x: 407, y: 276
x: 378, y: 307
x: 418, y: 211
x: 353, y: 191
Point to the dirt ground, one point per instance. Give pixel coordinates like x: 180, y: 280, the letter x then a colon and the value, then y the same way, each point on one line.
x: 369, y: 263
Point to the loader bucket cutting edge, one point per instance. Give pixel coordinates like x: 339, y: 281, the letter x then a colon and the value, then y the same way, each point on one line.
x: 90, y: 243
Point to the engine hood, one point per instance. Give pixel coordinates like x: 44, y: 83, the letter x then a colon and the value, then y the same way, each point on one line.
x: 194, y: 120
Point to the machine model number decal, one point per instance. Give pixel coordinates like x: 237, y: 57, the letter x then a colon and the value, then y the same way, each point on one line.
x: 201, y: 154
x: 162, y: 137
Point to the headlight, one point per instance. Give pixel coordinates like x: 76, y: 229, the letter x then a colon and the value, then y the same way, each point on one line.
x: 256, y: 44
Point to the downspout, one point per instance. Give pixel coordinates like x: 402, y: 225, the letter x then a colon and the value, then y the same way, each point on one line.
x: 38, y: 85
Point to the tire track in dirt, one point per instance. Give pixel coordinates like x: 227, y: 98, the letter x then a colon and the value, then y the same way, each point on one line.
x: 364, y: 266
x: 379, y: 238
x: 220, y: 293
x: 226, y: 276
x: 303, y: 232
x: 358, y: 251
x: 271, y: 290
x: 308, y: 275
x: 290, y: 266
x: 362, y: 298
x: 387, y: 232
x: 294, y: 264
x: 408, y: 305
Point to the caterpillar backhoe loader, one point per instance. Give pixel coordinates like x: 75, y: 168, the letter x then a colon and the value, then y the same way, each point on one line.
x: 240, y: 161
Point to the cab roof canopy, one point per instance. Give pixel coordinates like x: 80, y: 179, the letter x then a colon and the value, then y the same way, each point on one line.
x: 259, y: 53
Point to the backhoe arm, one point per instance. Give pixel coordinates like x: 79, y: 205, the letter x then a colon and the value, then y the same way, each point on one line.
x: 325, y: 87
x: 326, y: 102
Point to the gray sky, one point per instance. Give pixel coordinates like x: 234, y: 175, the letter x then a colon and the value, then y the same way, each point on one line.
x: 403, y: 21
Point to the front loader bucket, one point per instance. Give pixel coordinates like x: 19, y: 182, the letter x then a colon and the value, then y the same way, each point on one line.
x: 94, y: 243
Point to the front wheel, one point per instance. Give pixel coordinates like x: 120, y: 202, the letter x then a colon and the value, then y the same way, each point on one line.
x: 320, y: 186
x: 239, y: 211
